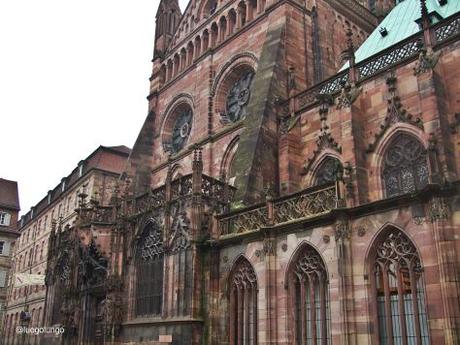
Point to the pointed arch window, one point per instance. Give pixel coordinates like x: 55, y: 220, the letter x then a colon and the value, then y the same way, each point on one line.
x: 243, y: 304
x: 309, y: 299
x: 405, y: 167
x: 149, y: 270
x: 399, y: 301
x: 329, y: 171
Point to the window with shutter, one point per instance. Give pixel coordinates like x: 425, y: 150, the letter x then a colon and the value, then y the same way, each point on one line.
x: 2, y: 278
x: 5, y: 218
x: 6, y: 248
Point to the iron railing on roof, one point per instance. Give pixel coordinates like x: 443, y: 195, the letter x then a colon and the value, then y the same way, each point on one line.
x: 401, y: 52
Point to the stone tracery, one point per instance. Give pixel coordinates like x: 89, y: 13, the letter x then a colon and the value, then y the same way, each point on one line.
x: 405, y: 167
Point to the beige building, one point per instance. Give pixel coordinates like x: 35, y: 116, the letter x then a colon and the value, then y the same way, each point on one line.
x: 9, y: 209
x: 96, y: 177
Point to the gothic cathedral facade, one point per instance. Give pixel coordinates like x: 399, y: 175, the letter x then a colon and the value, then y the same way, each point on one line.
x: 295, y: 182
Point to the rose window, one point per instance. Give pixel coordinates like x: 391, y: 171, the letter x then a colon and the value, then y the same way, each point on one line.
x: 238, y: 97
x: 181, y: 131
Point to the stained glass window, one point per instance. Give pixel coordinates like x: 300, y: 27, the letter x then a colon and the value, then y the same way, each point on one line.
x: 329, y: 171
x: 243, y: 304
x: 308, y: 290
x: 399, y: 293
x: 238, y: 97
x: 405, y: 166
x: 149, y: 272
x: 181, y: 130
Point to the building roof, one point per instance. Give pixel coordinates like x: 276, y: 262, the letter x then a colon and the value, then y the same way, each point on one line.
x: 401, y: 23
x: 9, y: 197
x: 110, y: 159
x: 120, y: 148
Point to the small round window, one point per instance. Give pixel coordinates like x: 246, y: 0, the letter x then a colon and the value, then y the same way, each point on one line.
x: 238, y: 97
x: 178, y: 129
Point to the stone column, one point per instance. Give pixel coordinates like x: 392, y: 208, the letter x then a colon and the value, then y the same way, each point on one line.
x: 249, y: 11
x: 444, y: 234
x: 345, y: 270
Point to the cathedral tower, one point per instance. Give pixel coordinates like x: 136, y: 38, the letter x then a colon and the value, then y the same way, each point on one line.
x: 166, y: 21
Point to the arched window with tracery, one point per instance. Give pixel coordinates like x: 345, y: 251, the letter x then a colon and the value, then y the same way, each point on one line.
x: 243, y: 304
x: 309, y: 298
x: 330, y: 170
x: 149, y: 270
x: 399, y: 298
x: 405, y: 167
x: 177, y: 127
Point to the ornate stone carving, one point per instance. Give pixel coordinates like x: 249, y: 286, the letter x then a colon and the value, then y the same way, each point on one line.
x: 361, y: 231
x: 418, y: 220
x: 342, y: 230
x: 268, y: 248
x: 395, y: 114
x: 438, y: 210
x: 180, y: 229
x: 398, y: 250
x: 284, y: 247
x: 305, y: 205
x: 348, y: 179
x: 455, y: 124
x: 426, y: 61
x: 325, y: 139
x: 150, y: 243
x: 348, y: 95
x: 92, y: 266
x: 70, y: 311
x: 244, y: 276
x: 308, y: 263
x: 113, y: 283
x: 287, y: 123
x: 112, y: 312
x: 63, y: 267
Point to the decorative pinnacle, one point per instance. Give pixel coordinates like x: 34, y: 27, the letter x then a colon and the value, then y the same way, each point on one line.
x: 350, y: 39
x: 391, y: 83
x: 53, y: 224
x: 197, y: 154
x: 423, y: 9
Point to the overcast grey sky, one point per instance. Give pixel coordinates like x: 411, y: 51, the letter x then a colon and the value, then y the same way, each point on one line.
x: 73, y: 76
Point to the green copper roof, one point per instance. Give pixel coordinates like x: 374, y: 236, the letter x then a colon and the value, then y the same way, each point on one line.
x: 400, y: 24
